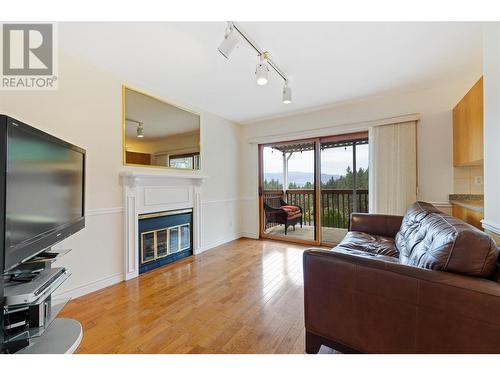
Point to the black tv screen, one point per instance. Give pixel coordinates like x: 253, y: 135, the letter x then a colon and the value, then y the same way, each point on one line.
x: 44, y: 191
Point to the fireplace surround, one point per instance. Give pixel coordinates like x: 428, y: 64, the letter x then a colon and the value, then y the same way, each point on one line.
x: 149, y: 192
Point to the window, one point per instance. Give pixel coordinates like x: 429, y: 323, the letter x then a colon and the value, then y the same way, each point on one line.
x: 185, y: 161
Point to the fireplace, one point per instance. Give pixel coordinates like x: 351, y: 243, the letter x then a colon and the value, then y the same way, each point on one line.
x: 157, y: 193
x: 164, y: 237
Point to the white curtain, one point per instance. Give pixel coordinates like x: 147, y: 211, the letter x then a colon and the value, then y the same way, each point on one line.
x: 393, y: 167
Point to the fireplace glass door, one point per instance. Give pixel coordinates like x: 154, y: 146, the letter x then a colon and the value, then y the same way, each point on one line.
x: 173, y: 242
x: 185, y: 236
x: 161, y: 243
x: 164, y: 238
x: 148, y: 246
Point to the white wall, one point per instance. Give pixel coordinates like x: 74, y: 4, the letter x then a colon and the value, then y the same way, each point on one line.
x: 464, y: 180
x: 86, y: 111
x: 491, y: 68
x: 220, y: 141
x: 435, y: 162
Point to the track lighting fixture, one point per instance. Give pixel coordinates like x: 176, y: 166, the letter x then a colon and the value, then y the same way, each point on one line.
x: 233, y: 35
x: 262, y: 70
x: 230, y: 41
x: 287, y: 93
x: 140, y: 130
x: 140, y: 127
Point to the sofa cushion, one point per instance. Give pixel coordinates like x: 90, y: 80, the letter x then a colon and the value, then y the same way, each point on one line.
x: 370, y: 243
x: 429, y: 238
x: 292, y: 212
x: 290, y: 209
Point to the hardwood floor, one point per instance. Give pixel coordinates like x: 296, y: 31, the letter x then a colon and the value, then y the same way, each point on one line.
x: 242, y: 297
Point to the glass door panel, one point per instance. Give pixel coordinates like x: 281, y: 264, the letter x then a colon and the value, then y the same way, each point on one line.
x: 336, y: 190
x: 344, y: 185
x: 288, y: 190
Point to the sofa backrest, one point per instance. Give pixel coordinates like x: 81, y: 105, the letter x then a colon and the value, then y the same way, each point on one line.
x: 429, y: 238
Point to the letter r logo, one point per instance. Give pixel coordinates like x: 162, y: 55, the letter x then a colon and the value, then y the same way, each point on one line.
x: 27, y: 49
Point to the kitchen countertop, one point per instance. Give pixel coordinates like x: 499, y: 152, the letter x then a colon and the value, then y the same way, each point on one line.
x: 474, y: 202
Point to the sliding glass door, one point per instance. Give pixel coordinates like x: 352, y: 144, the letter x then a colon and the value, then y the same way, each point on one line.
x: 309, y: 188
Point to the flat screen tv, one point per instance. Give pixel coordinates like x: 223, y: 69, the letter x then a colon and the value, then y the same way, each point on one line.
x: 42, y: 190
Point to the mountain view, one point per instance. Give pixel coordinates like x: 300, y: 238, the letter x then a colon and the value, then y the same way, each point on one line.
x: 303, y: 180
x: 299, y: 178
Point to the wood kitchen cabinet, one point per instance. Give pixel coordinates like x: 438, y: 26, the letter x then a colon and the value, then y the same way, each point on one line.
x: 469, y: 216
x: 137, y: 158
x: 468, y: 128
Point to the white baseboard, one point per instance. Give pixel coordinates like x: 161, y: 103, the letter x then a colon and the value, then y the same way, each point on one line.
x: 90, y: 287
x: 227, y: 239
x: 218, y: 242
x: 253, y: 236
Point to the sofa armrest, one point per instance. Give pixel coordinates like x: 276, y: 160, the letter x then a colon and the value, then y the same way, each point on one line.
x: 382, y: 225
x: 374, y: 304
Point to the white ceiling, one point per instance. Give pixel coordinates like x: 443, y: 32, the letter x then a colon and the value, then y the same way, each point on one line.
x: 326, y: 62
x: 159, y: 119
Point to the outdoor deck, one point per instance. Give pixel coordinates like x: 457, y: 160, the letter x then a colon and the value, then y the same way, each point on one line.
x: 336, y: 205
x: 329, y: 235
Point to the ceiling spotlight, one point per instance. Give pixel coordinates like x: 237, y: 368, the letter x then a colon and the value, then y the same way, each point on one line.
x: 287, y: 93
x: 262, y: 70
x: 235, y: 34
x: 140, y: 130
x: 230, y: 42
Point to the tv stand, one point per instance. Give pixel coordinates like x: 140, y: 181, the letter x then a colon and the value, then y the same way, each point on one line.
x: 62, y: 337
x: 29, y: 315
x: 48, y: 255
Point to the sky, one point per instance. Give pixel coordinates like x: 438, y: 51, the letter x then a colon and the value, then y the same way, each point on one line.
x: 333, y: 160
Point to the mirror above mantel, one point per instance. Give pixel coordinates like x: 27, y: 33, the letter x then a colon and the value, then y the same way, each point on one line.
x: 159, y: 134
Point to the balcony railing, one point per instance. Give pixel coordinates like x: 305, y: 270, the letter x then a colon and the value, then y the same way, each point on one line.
x: 335, y: 205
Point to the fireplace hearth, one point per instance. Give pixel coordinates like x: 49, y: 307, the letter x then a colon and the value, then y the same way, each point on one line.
x: 164, y: 237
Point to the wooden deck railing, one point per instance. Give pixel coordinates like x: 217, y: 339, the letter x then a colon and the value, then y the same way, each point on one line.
x: 335, y: 207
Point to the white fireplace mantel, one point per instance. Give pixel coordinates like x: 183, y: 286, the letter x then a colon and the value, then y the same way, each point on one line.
x: 154, y: 191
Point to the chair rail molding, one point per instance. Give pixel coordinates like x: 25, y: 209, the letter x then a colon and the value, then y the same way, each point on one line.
x: 156, y: 191
x: 491, y: 226
x: 441, y: 204
x: 103, y: 211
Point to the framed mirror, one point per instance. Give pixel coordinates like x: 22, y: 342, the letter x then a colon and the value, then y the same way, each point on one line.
x: 159, y: 134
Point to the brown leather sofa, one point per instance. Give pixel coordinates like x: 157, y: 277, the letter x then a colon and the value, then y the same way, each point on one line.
x: 423, y: 283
